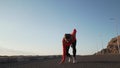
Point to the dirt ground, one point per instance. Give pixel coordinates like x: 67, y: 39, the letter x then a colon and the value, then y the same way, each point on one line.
x: 101, y: 61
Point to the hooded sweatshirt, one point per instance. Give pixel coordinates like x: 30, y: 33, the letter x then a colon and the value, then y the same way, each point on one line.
x: 65, y: 44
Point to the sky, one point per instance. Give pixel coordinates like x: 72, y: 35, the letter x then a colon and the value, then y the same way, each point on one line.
x: 36, y: 27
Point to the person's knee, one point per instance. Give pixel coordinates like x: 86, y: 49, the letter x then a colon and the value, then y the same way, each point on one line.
x: 68, y: 55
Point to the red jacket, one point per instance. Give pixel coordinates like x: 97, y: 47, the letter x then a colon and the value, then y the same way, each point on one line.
x: 64, y: 43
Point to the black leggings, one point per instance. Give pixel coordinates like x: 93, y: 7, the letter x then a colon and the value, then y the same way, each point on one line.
x: 73, y: 45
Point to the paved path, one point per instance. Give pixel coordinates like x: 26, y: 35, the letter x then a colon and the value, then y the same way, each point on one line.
x: 83, y: 62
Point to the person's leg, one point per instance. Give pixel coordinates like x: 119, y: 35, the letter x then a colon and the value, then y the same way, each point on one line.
x: 74, y: 51
x: 67, y: 51
x: 74, y: 48
x: 68, y: 54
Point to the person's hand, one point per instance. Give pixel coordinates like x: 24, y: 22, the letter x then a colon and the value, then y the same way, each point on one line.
x: 61, y: 62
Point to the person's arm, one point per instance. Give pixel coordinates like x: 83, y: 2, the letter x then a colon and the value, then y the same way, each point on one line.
x: 74, y: 33
x: 64, y: 52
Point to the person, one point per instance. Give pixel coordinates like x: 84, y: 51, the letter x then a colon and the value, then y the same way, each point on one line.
x: 67, y: 41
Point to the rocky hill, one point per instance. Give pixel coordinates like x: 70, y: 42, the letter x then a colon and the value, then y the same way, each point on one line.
x: 112, y: 47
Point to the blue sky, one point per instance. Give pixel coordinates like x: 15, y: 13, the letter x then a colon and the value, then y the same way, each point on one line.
x: 36, y: 27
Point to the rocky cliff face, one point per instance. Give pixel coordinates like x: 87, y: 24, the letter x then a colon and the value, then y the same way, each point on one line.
x: 112, y: 47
